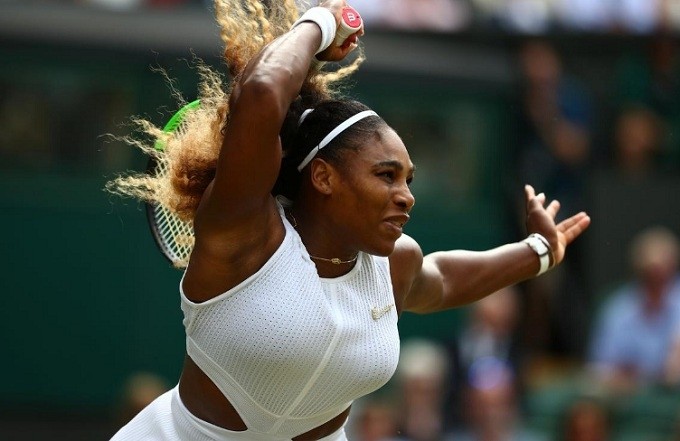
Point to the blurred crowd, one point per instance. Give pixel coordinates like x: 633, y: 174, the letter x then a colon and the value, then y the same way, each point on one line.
x: 523, y: 16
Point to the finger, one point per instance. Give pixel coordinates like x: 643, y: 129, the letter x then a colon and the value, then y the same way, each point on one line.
x: 351, y: 42
x: 536, y: 202
x: 553, y: 208
x: 541, y: 198
x: 574, y: 226
x: 530, y: 194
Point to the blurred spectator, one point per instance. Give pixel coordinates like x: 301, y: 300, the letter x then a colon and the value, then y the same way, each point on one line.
x: 490, y: 365
x: 376, y: 421
x: 670, y: 16
x: 640, y: 322
x: 527, y: 16
x: 422, y: 380
x: 416, y: 15
x: 652, y: 80
x: 556, y: 125
x: 554, y: 151
x: 635, y: 16
x: 637, y: 142
x: 491, y: 331
x: 585, y: 419
x: 583, y: 15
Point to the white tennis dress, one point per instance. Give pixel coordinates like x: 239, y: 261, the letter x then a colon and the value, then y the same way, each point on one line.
x: 289, y: 349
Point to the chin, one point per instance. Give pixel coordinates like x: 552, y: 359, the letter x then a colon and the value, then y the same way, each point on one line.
x: 383, y: 249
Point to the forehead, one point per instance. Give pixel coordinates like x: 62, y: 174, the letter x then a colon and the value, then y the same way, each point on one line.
x: 385, y: 146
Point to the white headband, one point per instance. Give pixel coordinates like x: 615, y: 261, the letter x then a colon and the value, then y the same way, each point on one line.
x: 304, y: 115
x: 334, y: 133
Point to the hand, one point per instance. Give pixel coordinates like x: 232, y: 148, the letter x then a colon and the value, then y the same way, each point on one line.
x: 541, y: 219
x: 337, y: 53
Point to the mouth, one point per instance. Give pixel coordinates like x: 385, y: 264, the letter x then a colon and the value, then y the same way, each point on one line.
x: 398, y: 222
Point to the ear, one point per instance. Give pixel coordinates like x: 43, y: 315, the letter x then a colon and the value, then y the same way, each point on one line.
x: 322, y: 175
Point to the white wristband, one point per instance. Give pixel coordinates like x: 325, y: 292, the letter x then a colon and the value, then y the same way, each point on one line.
x: 541, y: 247
x: 326, y: 22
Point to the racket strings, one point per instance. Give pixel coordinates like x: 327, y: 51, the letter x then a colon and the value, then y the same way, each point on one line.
x: 176, y: 234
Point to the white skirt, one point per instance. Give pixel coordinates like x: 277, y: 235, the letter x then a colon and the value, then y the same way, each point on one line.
x: 166, y: 419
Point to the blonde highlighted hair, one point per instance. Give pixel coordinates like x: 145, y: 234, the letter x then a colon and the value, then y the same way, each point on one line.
x: 190, y: 152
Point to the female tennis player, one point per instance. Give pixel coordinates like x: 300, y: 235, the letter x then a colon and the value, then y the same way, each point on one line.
x: 300, y: 269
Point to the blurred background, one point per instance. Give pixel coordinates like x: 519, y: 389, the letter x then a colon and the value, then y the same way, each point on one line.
x: 580, y: 98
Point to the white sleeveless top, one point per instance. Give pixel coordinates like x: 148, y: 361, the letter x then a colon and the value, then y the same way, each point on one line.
x: 291, y: 350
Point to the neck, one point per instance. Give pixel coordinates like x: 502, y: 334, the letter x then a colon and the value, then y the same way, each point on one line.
x: 326, y: 256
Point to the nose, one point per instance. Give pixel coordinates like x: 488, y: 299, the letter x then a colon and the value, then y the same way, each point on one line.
x: 405, y: 199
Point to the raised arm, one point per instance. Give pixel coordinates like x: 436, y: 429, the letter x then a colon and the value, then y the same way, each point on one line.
x: 250, y: 157
x: 237, y: 226
x: 448, y: 279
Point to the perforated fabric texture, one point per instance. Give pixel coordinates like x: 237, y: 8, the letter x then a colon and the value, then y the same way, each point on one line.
x: 291, y: 350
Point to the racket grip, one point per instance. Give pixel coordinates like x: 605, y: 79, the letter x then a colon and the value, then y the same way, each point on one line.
x: 351, y: 22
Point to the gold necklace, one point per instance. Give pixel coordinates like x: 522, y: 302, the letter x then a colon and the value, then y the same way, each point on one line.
x: 334, y: 260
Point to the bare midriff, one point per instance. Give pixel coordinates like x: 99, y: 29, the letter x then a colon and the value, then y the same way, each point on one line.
x: 205, y: 401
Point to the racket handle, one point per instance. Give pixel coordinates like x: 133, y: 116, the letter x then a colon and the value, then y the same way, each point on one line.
x: 351, y: 22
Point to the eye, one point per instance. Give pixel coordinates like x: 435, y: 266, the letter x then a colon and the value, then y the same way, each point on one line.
x: 387, y: 175
x: 409, y: 181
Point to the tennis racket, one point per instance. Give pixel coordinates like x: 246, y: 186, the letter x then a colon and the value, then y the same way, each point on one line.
x: 174, y: 237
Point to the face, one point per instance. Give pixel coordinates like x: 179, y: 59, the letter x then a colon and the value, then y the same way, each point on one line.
x: 373, y: 195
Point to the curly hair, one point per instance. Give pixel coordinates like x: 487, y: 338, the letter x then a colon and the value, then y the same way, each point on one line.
x: 190, y: 152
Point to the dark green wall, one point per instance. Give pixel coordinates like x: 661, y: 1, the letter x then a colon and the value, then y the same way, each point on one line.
x: 88, y: 299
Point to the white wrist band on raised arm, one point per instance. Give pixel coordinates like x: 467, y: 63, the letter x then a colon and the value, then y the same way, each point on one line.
x: 326, y: 22
x: 541, y: 247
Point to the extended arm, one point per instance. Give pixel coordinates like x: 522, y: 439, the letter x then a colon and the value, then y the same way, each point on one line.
x: 447, y: 279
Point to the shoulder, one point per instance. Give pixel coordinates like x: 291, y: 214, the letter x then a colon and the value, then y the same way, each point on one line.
x: 222, y: 258
x: 407, y: 254
x: 406, y: 262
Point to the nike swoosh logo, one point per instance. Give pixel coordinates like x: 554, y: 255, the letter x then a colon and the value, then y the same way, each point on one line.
x: 376, y: 312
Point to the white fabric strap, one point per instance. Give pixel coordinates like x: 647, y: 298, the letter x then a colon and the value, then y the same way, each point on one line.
x: 542, y: 248
x: 333, y: 134
x: 326, y: 22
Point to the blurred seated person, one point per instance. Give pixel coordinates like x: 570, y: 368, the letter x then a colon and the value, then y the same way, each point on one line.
x: 585, y: 419
x: 422, y: 379
x: 489, y: 359
x: 639, y: 325
x: 491, y: 331
x: 375, y: 421
x: 637, y: 141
